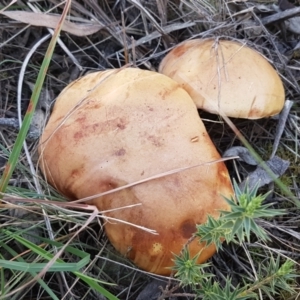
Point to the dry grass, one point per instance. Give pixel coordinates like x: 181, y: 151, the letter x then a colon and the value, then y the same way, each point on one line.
x: 140, y: 33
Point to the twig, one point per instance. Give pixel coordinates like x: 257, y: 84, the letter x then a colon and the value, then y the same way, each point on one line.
x: 281, y: 16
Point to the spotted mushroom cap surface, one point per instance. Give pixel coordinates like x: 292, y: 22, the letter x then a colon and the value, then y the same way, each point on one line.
x: 117, y: 127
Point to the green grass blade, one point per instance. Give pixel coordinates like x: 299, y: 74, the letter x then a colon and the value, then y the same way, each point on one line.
x: 13, y: 158
x: 33, y: 274
x: 94, y: 285
x: 262, y: 163
x: 58, y: 266
x: 38, y: 267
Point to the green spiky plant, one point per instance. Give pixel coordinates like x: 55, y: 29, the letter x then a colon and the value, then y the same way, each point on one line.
x: 236, y: 226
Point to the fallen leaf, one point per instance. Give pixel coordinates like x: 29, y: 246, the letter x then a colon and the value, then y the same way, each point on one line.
x: 259, y: 176
x: 262, y: 177
x: 51, y: 21
x: 243, y: 154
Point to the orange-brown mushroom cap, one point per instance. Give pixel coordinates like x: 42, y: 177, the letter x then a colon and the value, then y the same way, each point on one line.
x: 117, y: 127
x: 226, y: 77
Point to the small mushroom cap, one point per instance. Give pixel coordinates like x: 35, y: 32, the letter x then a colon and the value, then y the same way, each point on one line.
x: 226, y: 77
x: 117, y: 127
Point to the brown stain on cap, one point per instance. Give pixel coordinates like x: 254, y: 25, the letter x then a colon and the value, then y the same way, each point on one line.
x: 187, y: 228
x: 181, y: 49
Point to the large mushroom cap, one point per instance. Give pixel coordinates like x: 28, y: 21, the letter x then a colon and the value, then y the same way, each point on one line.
x: 117, y: 127
x: 226, y: 77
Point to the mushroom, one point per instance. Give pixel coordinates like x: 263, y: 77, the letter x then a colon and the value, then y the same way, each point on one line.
x: 226, y: 77
x: 116, y: 127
